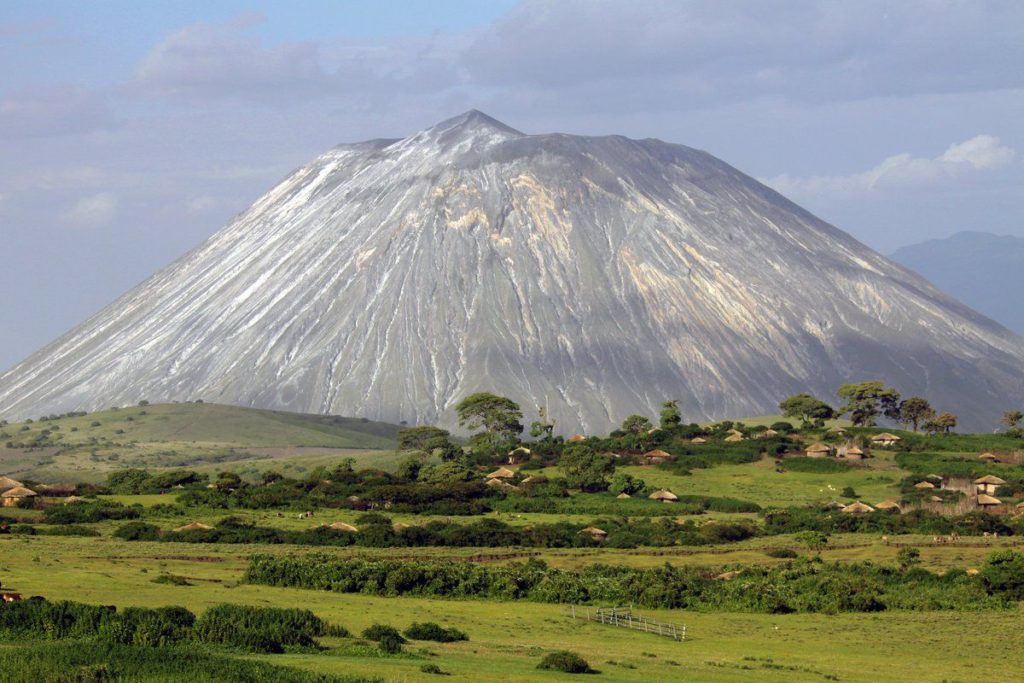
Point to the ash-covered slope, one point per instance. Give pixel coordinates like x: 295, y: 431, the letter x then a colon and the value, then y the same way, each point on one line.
x: 596, y: 276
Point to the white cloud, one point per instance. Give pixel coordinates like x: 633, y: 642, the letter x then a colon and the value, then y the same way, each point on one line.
x: 982, y: 152
x: 95, y: 210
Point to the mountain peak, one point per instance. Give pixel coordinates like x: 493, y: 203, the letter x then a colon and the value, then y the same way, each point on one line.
x: 470, y: 125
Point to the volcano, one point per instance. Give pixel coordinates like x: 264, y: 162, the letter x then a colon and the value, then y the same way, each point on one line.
x: 594, y: 276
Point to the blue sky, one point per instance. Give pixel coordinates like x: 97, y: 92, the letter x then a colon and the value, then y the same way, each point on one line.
x: 131, y: 131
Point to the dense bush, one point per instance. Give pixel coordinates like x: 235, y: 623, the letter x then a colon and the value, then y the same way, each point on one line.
x: 87, y: 512
x: 566, y: 662
x: 435, y: 632
x: 798, y: 586
x: 259, y: 629
x: 69, y: 662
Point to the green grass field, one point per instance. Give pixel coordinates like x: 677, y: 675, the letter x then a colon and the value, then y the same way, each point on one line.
x: 508, y: 639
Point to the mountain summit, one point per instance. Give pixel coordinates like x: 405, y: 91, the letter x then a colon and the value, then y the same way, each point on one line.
x: 596, y: 276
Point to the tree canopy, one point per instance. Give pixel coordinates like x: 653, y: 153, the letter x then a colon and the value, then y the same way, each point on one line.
x: 807, y: 408
x: 500, y: 417
x: 865, y: 401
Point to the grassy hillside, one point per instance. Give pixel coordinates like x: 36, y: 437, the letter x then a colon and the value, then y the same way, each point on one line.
x: 85, y: 447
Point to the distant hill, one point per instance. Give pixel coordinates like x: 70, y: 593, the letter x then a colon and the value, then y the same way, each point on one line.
x: 203, y: 436
x: 983, y: 270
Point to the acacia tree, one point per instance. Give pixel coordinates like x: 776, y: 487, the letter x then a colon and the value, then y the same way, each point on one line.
x: 865, y: 401
x: 670, y: 415
x: 945, y: 423
x: 433, y: 440
x: 636, y: 424
x: 1012, y: 418
x: 807, y: 408
x: 500, y: 417
x: 915, y: 410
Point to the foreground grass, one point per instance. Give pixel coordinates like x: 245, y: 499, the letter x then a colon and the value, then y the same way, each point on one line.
x: 508, y: 639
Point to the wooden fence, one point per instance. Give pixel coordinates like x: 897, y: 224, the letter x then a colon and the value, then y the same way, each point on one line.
x: 624, y: 617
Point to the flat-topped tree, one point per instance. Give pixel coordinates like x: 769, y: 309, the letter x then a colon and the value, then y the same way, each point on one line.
x: 866, y: 401
x: 806, y: 407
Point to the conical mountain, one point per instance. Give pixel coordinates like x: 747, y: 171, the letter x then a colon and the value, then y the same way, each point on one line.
x: 596, y: 276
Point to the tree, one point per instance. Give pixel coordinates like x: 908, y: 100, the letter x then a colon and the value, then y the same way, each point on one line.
x: 543, y: 427
x: 626, y: 483
x: 865, y: 401
x: 807, y: 408
x: 670, y: 415
x: 432, y: 440
x: 1012, y: 418
x: 636, y: 424
x: 585, y: 468
x: 945, y: 423
x: 915, y: 410
x: 411, y: 466
x: 499, y: 417
x: 445, y: 473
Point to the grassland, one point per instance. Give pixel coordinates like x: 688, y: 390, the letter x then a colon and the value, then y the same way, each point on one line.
x: 508, y: 639
x: 202, y: 436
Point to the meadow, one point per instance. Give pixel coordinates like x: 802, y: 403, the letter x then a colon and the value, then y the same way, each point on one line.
x: 506, y: 639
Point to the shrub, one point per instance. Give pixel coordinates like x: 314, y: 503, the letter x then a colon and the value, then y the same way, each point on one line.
x: 781, y: 553
x: 138, y: 531
x: 378, y: 632
x: 433, y: 669
x: 435, y: 632
x: 566, y: 662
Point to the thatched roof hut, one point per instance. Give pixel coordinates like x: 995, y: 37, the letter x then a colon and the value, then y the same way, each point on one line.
x: 854, y: 453
x: 502, y: 473
x: 623, y: 495
x: 885, y: 439
x: 857, y: 508
x: 988, y: 457
x: 664, y: 495
x: 398, y: 526
x: 836, y: 429
x: 698, y: 440
x: 924, y: 485
x: 656, y: 457
x: 595, y: 533
x: 501, y: 484
x: 936, y: 499
x: 73, y: 499
x: 6, y: 484
x: 576, y: 438
x: 517, y: 455
x: 342, y: 526
x: 818, y: 450
x: 194, y: 526
x: 11, y: 497
x: 988, y: 484
x: 734, y: 438
x: 834, y: 505
x: 887, y: 505
x: 767, y: 434
x: 985, y: 500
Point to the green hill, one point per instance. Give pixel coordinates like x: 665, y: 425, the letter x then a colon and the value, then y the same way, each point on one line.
x: 179, y: 435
